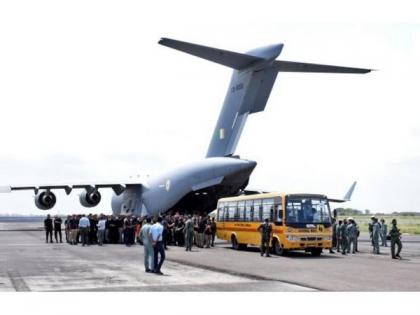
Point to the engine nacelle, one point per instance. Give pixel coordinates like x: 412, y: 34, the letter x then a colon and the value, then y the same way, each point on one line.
x: 45, y: 200
x: 90, y: 198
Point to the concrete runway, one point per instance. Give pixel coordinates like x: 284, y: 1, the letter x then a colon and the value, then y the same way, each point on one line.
x: 29, y: 264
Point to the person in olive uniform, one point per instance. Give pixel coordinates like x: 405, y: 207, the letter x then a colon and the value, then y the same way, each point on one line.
x: 344, y: 237
x: 395, y: 240
x: 48, y: 227
x: 376, y: 231
x: 266, y: 231
x: 384, y: 233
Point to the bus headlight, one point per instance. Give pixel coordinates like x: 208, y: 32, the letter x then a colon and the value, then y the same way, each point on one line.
x: 292, y: 238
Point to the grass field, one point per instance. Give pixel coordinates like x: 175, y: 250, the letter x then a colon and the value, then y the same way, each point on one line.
x: 407, y: 224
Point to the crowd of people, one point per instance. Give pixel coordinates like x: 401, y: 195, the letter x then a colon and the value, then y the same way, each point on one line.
x: 346, y: 233
x: 155, y: 234
x: 92, y: 229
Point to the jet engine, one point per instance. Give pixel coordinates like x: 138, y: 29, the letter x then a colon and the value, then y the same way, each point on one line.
x: 45, y: 200
x: 90, y: 198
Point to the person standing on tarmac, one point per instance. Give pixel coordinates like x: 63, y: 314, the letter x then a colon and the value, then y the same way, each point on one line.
x: 344, y: 238
x: 213, y: 230
x: 57, y: 228
x: 189, y: 233
x: 84, y: 226
x: 48, y: 227
x: 395, y: 240
x: 338, y: 233
x: 266, y: 231
x: 156, y: 232
x: 352, y: 235
x: 334, y: 235
x: 384, y: 233
x: 146, y: 239
x: 376, y: 231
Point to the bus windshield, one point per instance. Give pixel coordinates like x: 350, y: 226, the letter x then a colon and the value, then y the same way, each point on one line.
x: 303, y: 210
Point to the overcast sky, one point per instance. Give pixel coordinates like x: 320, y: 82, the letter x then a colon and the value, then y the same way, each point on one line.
x: 86, y: 93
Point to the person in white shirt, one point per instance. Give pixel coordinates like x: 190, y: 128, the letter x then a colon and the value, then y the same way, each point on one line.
x: 146, y: 239
x: 101, y: 229
x: 84, y: 225
x: 156, y: 232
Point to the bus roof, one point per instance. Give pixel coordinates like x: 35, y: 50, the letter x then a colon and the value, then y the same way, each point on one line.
x: 270, y: 195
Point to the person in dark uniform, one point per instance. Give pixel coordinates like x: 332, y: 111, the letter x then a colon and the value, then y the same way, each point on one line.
x: 213, y: 231
x: 334, y: 235
x: 395, y: 235
x: 113, y: 230
x: 266, y: 231
x: 57, y: 228
x: 48, y: 227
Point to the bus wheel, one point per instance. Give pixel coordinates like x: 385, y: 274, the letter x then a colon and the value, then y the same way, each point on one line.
x: 242, y: 246
x: 277, y: 248
x: 235, y: 244
x: 316, y: 252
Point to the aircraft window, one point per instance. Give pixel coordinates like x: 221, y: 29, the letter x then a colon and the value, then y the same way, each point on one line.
x: 257, y: 210
x: 240, y: 211
x: 248, y: 210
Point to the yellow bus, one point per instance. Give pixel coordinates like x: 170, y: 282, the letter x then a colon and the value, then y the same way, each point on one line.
x: 299, y: 221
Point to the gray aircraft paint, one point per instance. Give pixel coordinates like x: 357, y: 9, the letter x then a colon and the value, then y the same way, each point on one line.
x: 220, y: 174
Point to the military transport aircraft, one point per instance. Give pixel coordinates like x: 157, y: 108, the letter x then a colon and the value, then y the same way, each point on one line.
x: 221, y: 173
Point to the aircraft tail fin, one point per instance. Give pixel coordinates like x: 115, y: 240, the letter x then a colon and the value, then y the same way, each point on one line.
x: 249, y: 89
x: 347, y: 196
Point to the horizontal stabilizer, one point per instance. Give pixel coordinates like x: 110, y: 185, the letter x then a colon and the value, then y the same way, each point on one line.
x: 224, y: 57
x: 290, y: 66
x: 347, y: 196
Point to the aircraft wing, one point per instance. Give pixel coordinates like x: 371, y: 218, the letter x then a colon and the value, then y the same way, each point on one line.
x: 290, y: 66
x: 347, y: 196
x: 118, y: 188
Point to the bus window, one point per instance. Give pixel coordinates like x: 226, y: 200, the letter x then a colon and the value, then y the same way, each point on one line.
x: 248, y: 210
x: 220, y: 211
x: 257, y: 210
x: 240, y: 211
x: 225, y: 212
x: 267, y: 209
x: 232, y: 210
